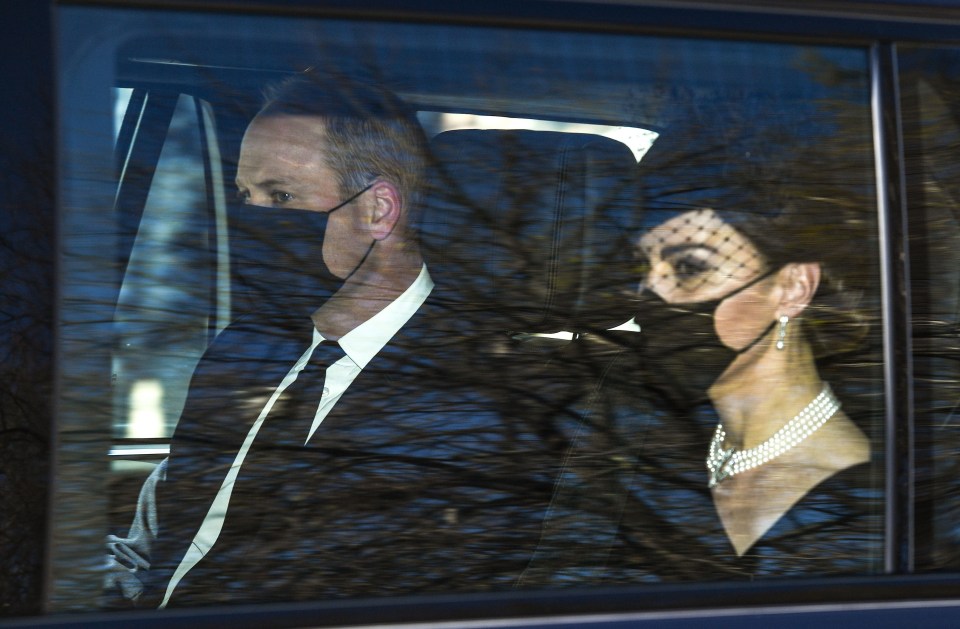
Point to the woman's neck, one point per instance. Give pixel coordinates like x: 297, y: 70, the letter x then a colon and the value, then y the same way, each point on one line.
x: 759, y: 394
x: 755, y: 398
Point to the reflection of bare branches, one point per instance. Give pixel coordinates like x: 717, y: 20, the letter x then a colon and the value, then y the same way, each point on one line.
x: 632, y: 504
x: 26, y: 269
x: 437, y: 476
x: 404, y: 489
x: 932, y: 136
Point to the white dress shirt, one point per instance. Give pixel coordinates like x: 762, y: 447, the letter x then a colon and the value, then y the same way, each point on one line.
x: 360, y: 346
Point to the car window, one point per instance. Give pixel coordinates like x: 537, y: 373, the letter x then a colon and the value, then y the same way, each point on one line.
x: 929, y: 97
x: 634, y: 330
x: 172, y: 238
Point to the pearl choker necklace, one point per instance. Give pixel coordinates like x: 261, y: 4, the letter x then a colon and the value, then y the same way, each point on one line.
x: 724, y: 463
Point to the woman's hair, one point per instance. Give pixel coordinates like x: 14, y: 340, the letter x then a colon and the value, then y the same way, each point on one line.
x: 820, y: 230
x: 812, y: 202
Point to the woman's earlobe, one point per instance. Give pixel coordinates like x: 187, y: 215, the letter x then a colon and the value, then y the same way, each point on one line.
x: 800, y: 283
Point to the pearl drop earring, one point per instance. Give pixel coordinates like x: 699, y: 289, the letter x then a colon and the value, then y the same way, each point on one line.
x: 782, y: 332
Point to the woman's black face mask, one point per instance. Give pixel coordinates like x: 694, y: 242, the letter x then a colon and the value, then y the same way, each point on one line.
x: 276, y: 257
x: 681, y: 353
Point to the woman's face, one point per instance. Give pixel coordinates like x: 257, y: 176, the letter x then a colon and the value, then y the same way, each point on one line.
x: 696, y: 257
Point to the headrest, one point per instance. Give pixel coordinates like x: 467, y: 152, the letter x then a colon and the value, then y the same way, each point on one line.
x: 532, y: 228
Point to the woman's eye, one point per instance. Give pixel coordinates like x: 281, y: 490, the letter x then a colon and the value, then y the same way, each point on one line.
x: 688, y: 267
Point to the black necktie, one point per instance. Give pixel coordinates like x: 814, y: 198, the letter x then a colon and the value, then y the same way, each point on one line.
x: 289, y: 420
x: 278, y: 452
x: 270, y: 483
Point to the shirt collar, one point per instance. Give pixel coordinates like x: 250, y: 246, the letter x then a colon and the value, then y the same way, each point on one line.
x: 366, y: 340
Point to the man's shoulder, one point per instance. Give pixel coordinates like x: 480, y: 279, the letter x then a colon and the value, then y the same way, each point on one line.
x: 434, y: 327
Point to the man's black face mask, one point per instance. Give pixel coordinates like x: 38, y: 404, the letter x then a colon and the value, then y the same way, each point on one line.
x: 276, y: 257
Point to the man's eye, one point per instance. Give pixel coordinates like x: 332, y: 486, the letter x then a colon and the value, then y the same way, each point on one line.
x: 243, y: 196
x: 280, y: 197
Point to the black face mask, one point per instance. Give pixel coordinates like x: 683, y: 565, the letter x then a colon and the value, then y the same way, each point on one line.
x: 682, y: 354
x: 276, y: 256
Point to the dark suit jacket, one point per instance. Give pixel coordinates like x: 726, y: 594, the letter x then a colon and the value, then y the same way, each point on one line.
x: 425, y: 477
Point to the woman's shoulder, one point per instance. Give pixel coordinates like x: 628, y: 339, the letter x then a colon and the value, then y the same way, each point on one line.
x: 836, y: 528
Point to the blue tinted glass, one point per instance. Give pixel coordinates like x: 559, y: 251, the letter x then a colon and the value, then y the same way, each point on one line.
x: 365, y: 308
x: 929, y: 82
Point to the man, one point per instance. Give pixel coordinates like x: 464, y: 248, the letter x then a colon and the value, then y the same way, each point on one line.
x: 357, y: 157
x: 394, y: 474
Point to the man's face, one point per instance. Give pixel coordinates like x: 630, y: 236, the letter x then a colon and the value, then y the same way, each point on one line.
x: 282, y: 165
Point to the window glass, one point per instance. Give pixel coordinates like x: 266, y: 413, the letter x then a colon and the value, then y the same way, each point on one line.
x: 930, y: 87
x: 166, y: 286
x: 427, y: 309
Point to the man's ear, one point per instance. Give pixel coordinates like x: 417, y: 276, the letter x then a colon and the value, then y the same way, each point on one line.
x: 387, y: 209
x: 799, y: 282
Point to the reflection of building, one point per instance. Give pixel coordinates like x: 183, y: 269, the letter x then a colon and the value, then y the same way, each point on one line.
x: 163, y: 312
x: 146, y: 417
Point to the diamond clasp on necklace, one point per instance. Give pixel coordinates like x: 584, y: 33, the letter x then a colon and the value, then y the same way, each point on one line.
x: 718, y: 466
x: 726, y: 462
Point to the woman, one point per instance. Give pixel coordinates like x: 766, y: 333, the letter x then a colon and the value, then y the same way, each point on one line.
x: 724, y: 317
x: 758, y: 275
x: 745, y: 328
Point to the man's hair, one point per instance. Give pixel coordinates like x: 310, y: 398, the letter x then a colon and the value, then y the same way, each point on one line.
x: 369, y: 131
